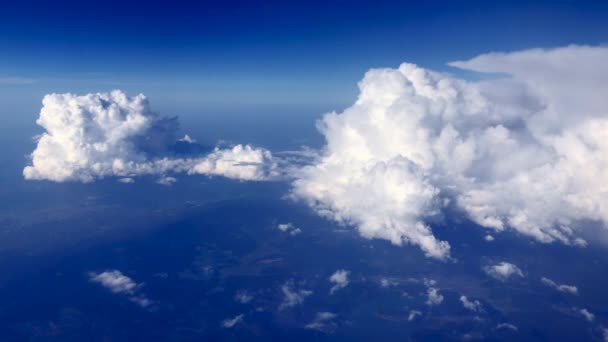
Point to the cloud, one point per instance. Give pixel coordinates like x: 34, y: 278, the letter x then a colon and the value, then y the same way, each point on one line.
x: 489, y: 238
x: 126, y: 180
x: 562, y: 288
x: 292, y: 296
x: 386, y: 283
x: 586, y: 314
x: 433, y: 297
x: 16, y: 80
x: 340, y: 279
x: 503, y: 271
x: 243, y: 297
x: 289, y: 228
x: 101, y: 135
x: 526, y: 152
x: 119, y: 283
x: 231, y: 322
x: 507, y: 326
x: 413, y: 314
x: 474, y: 305
x: 323, y: 322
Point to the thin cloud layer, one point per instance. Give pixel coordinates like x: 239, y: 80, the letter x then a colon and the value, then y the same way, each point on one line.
x: 527, y: 151
x: 113, y: 135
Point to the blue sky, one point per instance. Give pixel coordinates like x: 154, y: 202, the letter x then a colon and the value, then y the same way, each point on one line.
x: 230, y: 54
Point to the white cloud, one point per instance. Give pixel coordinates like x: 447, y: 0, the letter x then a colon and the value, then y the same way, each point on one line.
x: 413, y: 314
x: 386, y: 283
x: 503, y: 271
x: 527, y: 152
x: 292, y: 296
x: 166, y: 180
x: 231, y: 322
x: 323, y: 322
x: 113, y: 135
x: 187, y: 139
x: 562, y: 288
x: 243, y: 297
x: 340, y: 279
x: 474, y: 305
x: 119, y: 283
x: 507, y: 326
x: 126, y: 180
x: 433, y: 297
x: 585, y: 313
x: 489, y: 238
x: 289, y: 228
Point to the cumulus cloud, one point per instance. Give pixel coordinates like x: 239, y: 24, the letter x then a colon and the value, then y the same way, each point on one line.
x: 119, y: 283
x: 340, y: 279
x: 474, y: 305
x: 292, y: 296
x: 323, y: 322
x: 503, y: 271
x: 562, y: 288
x: 289, y: 228
x: 231, y: 322
x: 114, y: 135
x: 527, y: 151
x: 433, y: 297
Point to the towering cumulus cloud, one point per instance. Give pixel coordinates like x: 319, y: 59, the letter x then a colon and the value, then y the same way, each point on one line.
x: 525, y: 150
x: 111, y: 134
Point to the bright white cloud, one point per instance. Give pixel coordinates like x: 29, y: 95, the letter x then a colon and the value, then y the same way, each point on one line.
x: 113, y: 135
x: 289, y: 228
x: 231, y: 322
x: 562, y: 288
x: 527, y: 152
x: 119, y: 283
x: 489, y: 238
x: 473, y: 305
x: 503, y: 271
x: 340, y: 279
x: 433, y: 297
x: 323, y: 322
x: 292, y: 296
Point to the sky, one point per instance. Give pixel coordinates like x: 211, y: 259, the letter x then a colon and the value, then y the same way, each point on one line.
x: 231, y: 54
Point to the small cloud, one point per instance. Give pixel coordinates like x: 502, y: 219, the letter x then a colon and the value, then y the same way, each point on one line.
x: 571, y: 289
x: 126, y: 180
x: 289, y: 228
x: 386, y: 283
x: 503, y: 271
x: 489, y: 238
x: 433, y: 297
x: 292, y: 296
x: 243, y: 297
x: 506, y: 326
x: 231, y: 322
x: 119, y: 283
x: 413, y: 314
x: 474, y: 305
x: 187, y: 139
x: 323, y: 322
x: 585, y: 313
x: 340, y: 279
x: 167, y: 181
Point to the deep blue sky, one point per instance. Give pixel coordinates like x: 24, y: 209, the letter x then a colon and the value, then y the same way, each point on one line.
x: 222, y: 54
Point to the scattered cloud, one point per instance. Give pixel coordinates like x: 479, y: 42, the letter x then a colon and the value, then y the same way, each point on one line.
x: 340, y: 279
x: 292, y: 296
x: 386, y: 283
x: 323, y: 322
x: 119, y: 283
x: 489, y: 238
x: 231, y: 322
x: 126, y: 180
x: 562, y: 288
x: 113, y: 135
x: 586, y: 314
x: 243, y: 297
x: 433, y: 297
x: 474, y: 305
x: 526, y: 152
x: 503, y: 271
x: 507, y: 326
x: 413, y: 314
x: 289, y: 228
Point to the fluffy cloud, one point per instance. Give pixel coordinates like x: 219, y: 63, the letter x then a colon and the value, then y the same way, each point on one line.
x: 433, y: 297
x: 231, y: 322
x: 340, y: 279
x: 323, y: 322
x: 503, y: 271
x: 289, y: 228
x: 474, y: 305
x: 119, y: 283
x: 562, y: 288
x: 292, y: 296
x: 113, y: 135
x: 527, y: 152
